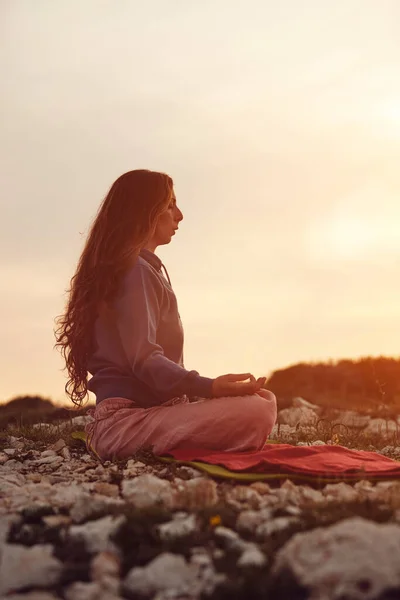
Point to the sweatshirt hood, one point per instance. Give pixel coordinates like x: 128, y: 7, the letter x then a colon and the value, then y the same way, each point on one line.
x: 154, y: 261
x: 151, y: 258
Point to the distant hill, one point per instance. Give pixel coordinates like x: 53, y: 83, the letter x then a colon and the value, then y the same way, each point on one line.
x: 26, y: 410
x: 363, y: 384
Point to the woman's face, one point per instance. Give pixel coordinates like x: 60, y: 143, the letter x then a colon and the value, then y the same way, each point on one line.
x: 167, y: 223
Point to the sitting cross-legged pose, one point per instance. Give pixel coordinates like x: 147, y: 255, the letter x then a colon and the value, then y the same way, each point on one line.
x: 122, y: 325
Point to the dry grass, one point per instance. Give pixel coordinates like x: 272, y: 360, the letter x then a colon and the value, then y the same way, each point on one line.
x: 42, y: 436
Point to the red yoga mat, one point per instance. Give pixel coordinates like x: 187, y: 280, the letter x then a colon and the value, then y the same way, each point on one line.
x: 326, y: 461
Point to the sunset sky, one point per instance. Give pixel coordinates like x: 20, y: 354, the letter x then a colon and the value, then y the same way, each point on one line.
x: 280, y: 125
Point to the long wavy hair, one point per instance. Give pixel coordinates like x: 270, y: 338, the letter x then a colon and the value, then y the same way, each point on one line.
x: 126, y: 219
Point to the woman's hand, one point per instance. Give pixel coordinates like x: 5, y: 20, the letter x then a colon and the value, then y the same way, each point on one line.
x: 236, y: 385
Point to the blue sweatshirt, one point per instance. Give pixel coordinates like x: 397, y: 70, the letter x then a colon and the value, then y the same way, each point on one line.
x: 139, y: 342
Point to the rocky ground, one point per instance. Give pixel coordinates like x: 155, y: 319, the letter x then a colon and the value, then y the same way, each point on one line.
x: 75, y: 529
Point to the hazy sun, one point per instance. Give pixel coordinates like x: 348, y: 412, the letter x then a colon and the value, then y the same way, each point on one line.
x: 343, y: 237
x: 349, y: 237
x: 391, y: 112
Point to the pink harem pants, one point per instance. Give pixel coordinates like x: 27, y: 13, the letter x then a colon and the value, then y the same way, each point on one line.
x: 231, y: 424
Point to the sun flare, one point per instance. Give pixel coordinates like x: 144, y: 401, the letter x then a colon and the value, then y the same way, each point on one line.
x: 349, y: 237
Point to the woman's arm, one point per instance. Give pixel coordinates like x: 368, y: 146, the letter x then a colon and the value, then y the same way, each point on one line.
x: 137, y: 317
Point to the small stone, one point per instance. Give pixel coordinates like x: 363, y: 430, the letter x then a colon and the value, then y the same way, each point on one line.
x: 96, y: 534
x: 270, y: 528
x: 89, y: 591
x: 241, y: 497
x: 52, y: 459
x: 46, y: 453
x: 106, y: 489
x: 249, y: 520
x: 196, y: 494
x: 105, y: 564
x: 186, y: 472
x: 65, y: 453
x: 341, y: 491
x: 252, y: 557
x: 34, y: 477
x: 88, y: 505
x: 23, y: 567
x: 58, y: 445
x: 9, y: 451
x: 56, y: 521
x: 167, y: 572
x: 230, y: 539
x: 88, y: 459
x: 14, y: 465
x: 3, y: 458
x: 261, y: 487
x: 180, y: 527
x: 147, y: 490
x: 134, y: 464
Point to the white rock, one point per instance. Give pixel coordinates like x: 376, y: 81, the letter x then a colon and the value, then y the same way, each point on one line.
x: 9, y: 451
x: 88, y: 459
x: 105, y: 564
x: 134, y: 464
x: 52, y: 459
x: 88, y: 505
x: 249, y: 520
x: 282, y: 432
x: 79, y: 421
x: 230, y: 539
x: 13, y: 465
x: 65, y: 496
x: 48, y: 453
x: 171, y: 575
x: 189, y: 472
x: 269, y: 528
x: 96, y: 534
x: 65, y: 453
x: 48, y: 426
x: 147, y: 490
x: 89, y: 591
x: 56, y: 521
x: 301, y: 403
x: 355, y: 558
x: 294, y: 417
x: 196, y: 493
x: 58, y: 445
x: 252, y: 557
x: 242, y: 496
x: 342, y: 492
x: 298, y: 495
x: 23, y: 567
x: 352, y: 419
x: 181, y: 526
x: 167, y: 572
x: 3, y: 458
x: 382, y: 427
x: 208, y: 578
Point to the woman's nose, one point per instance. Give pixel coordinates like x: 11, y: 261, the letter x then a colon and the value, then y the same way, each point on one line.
x: 179, y: 214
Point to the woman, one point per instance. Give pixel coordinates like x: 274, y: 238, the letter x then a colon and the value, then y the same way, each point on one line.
x: 122, y: 326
